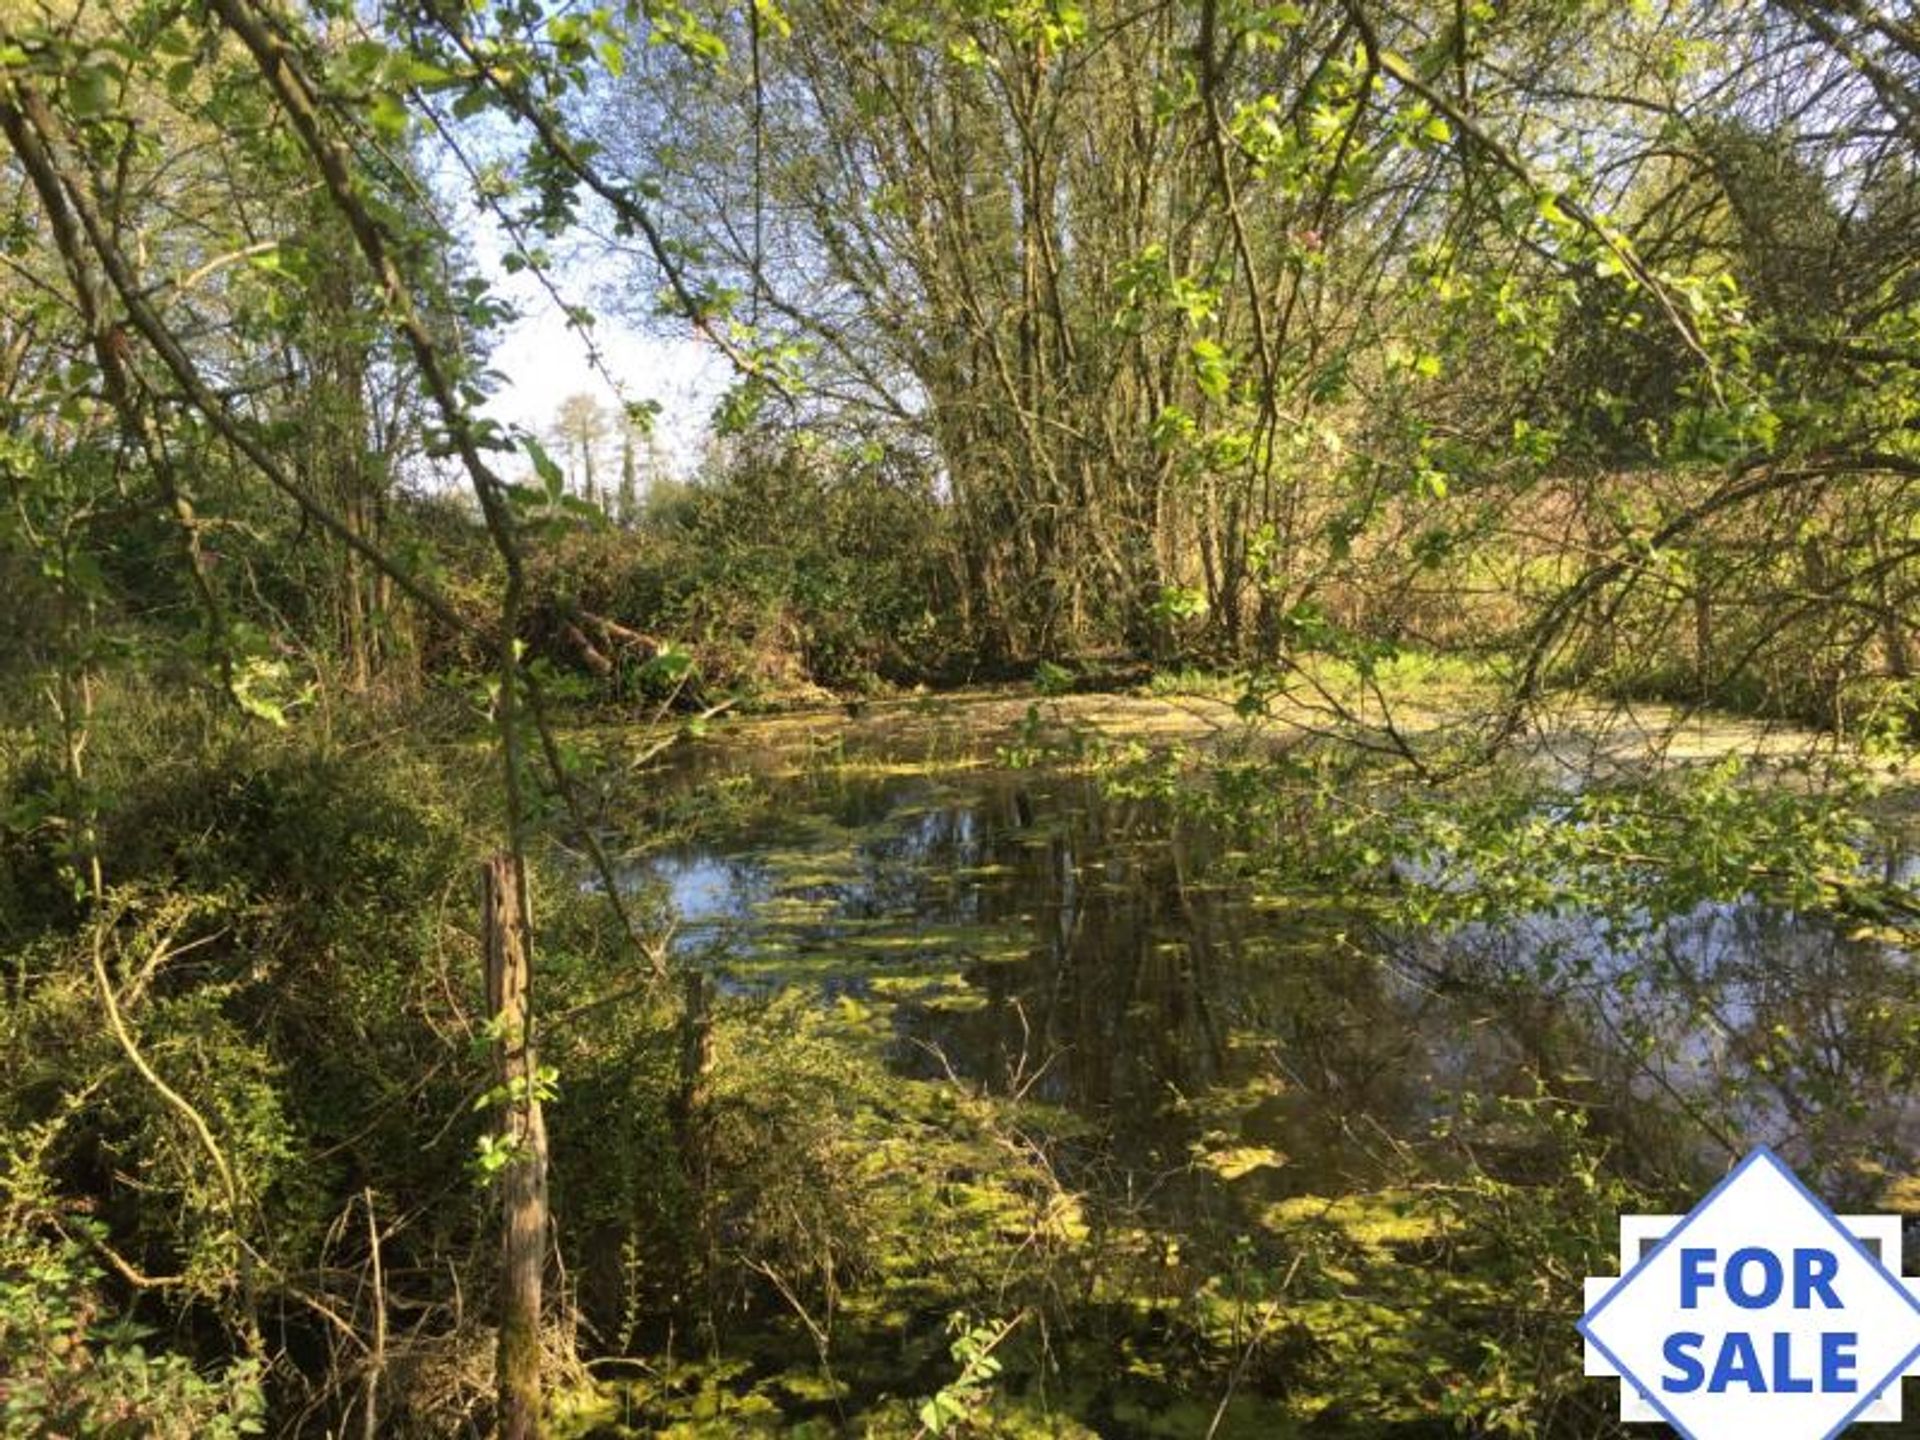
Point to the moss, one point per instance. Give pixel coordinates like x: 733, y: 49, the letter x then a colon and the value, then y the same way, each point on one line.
x: 1379, y: 1220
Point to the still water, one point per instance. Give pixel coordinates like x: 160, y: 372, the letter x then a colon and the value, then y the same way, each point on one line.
x: 1030, y: 934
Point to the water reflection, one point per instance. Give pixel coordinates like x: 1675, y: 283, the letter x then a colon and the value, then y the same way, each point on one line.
x: 1040, y: 937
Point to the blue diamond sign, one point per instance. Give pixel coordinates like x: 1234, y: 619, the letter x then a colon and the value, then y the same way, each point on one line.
x: 1760, y: 1313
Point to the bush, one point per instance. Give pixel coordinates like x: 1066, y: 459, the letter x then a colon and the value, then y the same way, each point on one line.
x: 275, y: 927
x: 69, y: 1368
x: 782, y: 566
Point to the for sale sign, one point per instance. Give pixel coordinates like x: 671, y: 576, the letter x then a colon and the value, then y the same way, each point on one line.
x: 1761, y: 1313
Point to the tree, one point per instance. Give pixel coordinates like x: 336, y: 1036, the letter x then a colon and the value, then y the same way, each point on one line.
x: 582, y: 428
x: 91, y: 116
x: 1155, y: 287
x: 643, y: 462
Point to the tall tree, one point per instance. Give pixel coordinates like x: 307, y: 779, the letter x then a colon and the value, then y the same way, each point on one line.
x: 582, y: 428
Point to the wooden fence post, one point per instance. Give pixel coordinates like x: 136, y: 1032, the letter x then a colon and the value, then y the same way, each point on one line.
x: 523, y: 1181
x: 692, y: 1121
x: 696, y: 1051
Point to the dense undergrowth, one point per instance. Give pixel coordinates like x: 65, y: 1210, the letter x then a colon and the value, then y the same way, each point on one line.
x: 278, y: 1214
x: 789, y: 570
x: 1373, y: 391
x: 286, y: 1174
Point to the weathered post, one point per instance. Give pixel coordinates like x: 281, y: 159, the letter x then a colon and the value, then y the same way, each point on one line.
x: 523, y: 1181
x: 696, y: 1067
x: 696, y: 1044
x: 691, y: 1118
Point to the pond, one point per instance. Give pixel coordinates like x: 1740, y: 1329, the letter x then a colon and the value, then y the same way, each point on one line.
x: 1231, y: 1048
x: 1033, y: 934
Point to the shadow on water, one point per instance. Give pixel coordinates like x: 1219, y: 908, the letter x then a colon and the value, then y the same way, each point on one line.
x: 1035, y: 936
x: 1260, y: 1100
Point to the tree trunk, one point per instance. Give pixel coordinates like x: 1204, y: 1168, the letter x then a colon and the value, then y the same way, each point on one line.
x: 691, y: 1128
x: 523, y: 1182
x: 1703, y: 640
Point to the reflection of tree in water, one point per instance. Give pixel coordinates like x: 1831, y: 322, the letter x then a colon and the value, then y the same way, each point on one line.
x: 1110, y: 968
x: 1743, y: 1023
x: 1146, y: 986
x: 1804, y: 1035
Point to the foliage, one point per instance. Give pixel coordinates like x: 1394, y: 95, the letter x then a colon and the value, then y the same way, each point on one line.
x: 74, y: 1368
x: 1404, y: 363
x: 957, y: 1403
x: 783, y: 566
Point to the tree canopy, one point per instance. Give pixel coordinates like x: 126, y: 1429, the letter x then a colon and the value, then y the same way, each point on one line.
x: 1312, y: 355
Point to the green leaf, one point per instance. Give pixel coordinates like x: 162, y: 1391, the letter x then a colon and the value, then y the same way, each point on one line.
x: 544, y: 466
x: 363, y: 57
x: 88, y: 91
x: 1232, y: 1164
x: 389, y: 116
x: 1212, y: 371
